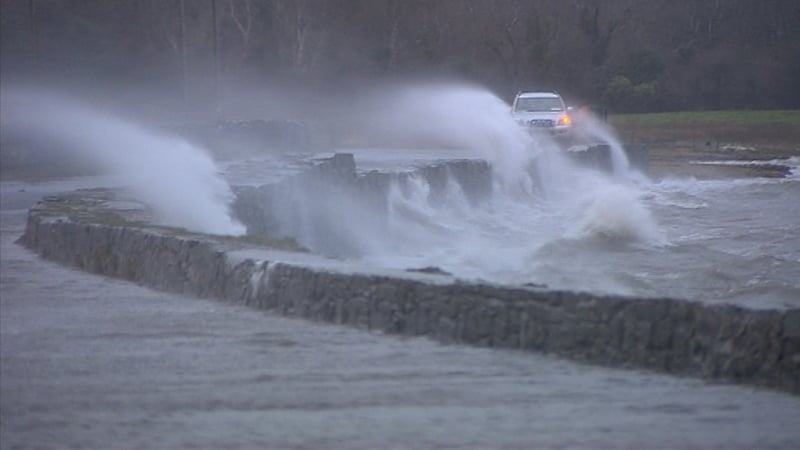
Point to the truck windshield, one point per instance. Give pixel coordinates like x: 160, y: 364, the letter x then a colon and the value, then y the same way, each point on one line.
x: 538, y: 104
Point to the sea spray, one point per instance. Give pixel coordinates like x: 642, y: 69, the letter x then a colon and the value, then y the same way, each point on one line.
x: 536, y: 194
x: 458, y: 116
x: 179, y: 181
x: 616, y: 214
x: 540, y: 195
x: 591, y: 129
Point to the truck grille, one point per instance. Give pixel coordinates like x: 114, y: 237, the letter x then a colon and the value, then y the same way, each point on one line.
x: 541, y: 123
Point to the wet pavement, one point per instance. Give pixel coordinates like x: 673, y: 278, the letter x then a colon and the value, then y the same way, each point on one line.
x: 93, y: 362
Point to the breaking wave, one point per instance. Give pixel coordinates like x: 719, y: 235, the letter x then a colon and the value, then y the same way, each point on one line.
x: 178, y: 180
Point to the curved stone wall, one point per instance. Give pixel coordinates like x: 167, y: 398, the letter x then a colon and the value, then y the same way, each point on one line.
x: 722, y: 342
x: 315, y: 200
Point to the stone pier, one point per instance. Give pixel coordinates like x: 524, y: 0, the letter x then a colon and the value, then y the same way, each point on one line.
x: 100, y: 232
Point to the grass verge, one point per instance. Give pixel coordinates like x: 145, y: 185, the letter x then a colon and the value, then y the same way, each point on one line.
x: 677, y: 140
x: 789, y: 117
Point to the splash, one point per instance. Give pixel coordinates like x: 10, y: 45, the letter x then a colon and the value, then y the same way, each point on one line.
x: 539, y: 196
x: 532, y: 197
x: 591, y: 129
x: 616, y: 214
x: 458, y: 116
x: 176, y: 179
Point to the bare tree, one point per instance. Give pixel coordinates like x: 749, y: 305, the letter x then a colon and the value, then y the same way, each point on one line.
x: 242, y: 14
x: 34, y: 32
x: 217, y: 68
x: 184, y: 80
x: 712, y: 51
x: 518, y: 35
x: 295, y: 25
x: 599, y: 32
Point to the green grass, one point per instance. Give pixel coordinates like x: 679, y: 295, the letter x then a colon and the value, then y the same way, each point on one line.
x: 789, y: 117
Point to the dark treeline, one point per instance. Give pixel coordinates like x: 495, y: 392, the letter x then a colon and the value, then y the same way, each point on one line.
x: 631, y: 55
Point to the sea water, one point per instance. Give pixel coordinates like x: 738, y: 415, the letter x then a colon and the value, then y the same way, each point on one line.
x: 551, y: 222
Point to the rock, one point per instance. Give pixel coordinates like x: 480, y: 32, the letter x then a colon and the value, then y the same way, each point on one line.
x: 673, y: 336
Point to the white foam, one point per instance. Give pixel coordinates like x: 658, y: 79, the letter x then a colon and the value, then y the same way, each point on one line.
x: 615, y: 213
x: 177, y: 180
x: 539, y: 196
x: 593, y: 129
x: 791, y: 162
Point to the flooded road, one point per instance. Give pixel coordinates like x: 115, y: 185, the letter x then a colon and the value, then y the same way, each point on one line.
x: 92, y: 362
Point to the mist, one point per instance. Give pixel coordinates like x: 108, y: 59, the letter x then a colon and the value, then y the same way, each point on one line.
x: 538, y: 196
x: 178, y: 180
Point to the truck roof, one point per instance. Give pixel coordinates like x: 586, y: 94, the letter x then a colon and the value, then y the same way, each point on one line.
x: 537, y: 94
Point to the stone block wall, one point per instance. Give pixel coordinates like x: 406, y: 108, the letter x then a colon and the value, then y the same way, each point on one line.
x: 303, y: 201
x: 720, y: 342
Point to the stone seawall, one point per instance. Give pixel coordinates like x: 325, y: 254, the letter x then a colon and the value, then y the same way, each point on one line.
x: 316, y: 202
x: 311, y: 205
x: 720, y: 342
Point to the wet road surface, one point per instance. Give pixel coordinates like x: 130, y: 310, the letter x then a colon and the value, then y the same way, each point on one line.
x: 93, y: 362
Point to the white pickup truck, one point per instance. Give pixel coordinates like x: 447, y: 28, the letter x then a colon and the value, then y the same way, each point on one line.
x: 542, y: 111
